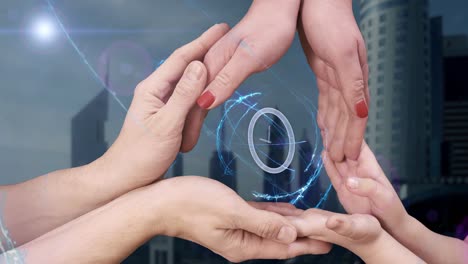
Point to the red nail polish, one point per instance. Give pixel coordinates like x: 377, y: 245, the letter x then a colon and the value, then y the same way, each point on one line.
x: 361, y: 109
x: 206, y: 100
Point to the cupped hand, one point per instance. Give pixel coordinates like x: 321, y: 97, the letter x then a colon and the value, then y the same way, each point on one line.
x: 336, y: 52
x: 221, y: 221
x: 353, y: 232
x: 155, y: 127
x: 257, y: 42
x: 363, y: 188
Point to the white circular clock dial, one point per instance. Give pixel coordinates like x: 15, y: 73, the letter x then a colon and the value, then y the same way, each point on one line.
x: 291, y: 140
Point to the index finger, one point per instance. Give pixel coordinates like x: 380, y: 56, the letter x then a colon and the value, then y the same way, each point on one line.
x: 175, y: 65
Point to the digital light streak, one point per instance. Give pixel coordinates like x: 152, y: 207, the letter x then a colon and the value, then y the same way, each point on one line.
x: 295, y: 196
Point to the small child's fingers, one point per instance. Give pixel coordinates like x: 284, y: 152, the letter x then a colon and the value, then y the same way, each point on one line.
x: 355, y: 227
x: 379, y: 194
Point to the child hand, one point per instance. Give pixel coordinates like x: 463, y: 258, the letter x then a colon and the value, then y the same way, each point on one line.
x: 362, y: 187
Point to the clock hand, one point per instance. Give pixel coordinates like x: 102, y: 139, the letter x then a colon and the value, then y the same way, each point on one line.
x: 269, y: 136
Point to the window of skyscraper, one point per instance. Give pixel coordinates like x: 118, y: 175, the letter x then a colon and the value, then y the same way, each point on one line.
x: 369, y: 34
x: 380, y: 66
x: 383, y: 18
x: 369, y: 23
x: 380, y: 79
x: 403, y: 13
x: 398, y: 75
x: 382, y: 42
x: 381, y: 54
x: 380, y: 91
x: 401, y: 38
x: 380, y: 103
x: 378, y: 139
x: 378, y: 127
x: 382, y: 30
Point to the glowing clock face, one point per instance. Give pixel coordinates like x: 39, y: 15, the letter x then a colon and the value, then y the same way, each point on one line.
x: 267, y: 114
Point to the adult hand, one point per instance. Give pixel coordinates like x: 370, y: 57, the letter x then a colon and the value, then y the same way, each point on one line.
x: 336, y: 52
x: 363, y: 188
x: 155, y: 127
x: 257, y: 42
x: 221, y: 221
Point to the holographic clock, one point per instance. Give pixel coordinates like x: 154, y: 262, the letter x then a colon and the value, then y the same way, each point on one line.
x: 290, y: 136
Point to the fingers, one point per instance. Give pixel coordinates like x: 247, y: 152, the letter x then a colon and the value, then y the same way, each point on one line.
x: 380, y: 195
x: 338, y: 141
x: 192, y: 128
x: 267, y: 225
x: 355, y: 227
x: 332, y: 171
x: 239, y: 68
x: 172, y: 69
x: 284, y: 209
x: 303, y: 246
x: 187, y: 91
x: 353, y: 85
x: 332, y: 116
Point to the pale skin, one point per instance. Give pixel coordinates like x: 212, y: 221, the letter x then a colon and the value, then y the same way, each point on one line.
x: 363, y: 188
x: 334, y: 48
x: 110, y: 207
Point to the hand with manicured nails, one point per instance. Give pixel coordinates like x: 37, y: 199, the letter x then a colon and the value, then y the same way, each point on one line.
x: 336, y: 52
x: 156, y: 127
x: 220, y: 220
x: 257, y: 42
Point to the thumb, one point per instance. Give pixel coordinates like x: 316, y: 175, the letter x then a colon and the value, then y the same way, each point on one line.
x: 267, y: 225
x: 379, y: 194
x: 187, y: 90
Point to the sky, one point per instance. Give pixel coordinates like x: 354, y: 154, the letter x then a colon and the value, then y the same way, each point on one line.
x: 44, y: 83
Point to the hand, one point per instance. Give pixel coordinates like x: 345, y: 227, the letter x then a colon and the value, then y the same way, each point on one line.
x: 354, y: 232
x: 359, y: 233
x: 336, y: 53
x: 363, y: 188
x: 155, y: 128
x: 257, y: 42
x: 221, y: 221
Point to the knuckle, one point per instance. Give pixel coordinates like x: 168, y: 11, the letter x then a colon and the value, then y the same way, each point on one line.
x: 223, y: 80
x: 268, y: 230
x: 357, y: 87
x: 181, y: 54
x: 185, y: 89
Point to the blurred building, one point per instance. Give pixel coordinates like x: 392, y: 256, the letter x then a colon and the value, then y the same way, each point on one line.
x: 399, y: 127
x: 306, y: 170
x: 227, y: 176
x: 277, y: 183
x: 455, y: 126
x: 87, y: 128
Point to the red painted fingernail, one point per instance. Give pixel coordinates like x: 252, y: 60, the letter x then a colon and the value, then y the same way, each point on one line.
x: 361, y: 109
x: 206, y: 100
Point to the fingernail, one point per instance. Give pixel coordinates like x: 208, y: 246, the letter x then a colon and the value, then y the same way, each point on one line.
x: 194, y: 72
x: 352, y: 183
x: 287, y: 234
x: 206, y: 100
x: 361, y: 109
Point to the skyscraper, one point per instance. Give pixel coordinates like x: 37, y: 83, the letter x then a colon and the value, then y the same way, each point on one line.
x: 455, y: 131
x: 399, y: 127
x: 217, y: 171
x: 306, y: 171
x: 277, y: 183
x: 87, y: 128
